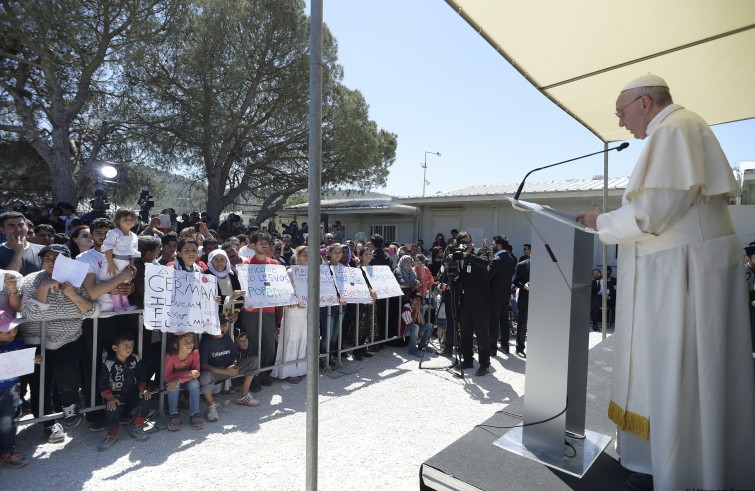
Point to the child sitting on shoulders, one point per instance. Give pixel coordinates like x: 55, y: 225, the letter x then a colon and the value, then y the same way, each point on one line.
x: 182, y: 371
x: 121, y: 247
x: 9, y: 456
x: 220, y: 361
x: 123, y: 385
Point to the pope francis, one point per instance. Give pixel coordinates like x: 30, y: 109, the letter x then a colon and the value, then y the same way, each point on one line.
x: 682, y: 389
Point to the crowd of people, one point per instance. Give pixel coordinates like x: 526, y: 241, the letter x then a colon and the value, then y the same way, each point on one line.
x: 116, y: 253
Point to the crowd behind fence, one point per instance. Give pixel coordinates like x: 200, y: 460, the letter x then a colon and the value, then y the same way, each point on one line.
x: 159, y: 382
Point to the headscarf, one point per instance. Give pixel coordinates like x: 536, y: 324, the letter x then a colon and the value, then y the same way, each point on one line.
x: 226, y: 271
x: 408, y: 276
x: 346, y: 255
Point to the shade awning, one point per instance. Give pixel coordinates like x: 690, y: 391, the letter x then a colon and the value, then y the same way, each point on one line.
x: 581, y: 53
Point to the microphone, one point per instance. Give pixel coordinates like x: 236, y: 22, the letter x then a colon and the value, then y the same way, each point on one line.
x: 521, y: 186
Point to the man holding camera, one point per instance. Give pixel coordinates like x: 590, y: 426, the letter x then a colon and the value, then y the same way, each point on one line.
x: 474, y: 310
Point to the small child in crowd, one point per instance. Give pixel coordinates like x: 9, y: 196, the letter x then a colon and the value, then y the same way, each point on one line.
x: 413, y: 323
x: 9, y: 398
x: 182, y: 371
x: 123, y: 385
x: 220, y: 361
x: 121, y: 246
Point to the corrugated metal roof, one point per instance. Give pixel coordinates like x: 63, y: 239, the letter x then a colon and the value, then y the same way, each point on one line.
x: 572, y: 185
x: 349, y: 203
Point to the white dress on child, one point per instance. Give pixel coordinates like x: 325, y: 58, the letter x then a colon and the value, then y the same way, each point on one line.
x: 292, y: 344
x: 124, y: 247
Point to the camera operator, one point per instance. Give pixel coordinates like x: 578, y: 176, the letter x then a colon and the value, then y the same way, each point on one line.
x: 474, y: 301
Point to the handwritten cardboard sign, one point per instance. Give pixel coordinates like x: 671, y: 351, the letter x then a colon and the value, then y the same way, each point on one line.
x: 266, y: 285
x: 16, y: 363
x: 69, y: 270
x: 383, y: 281
x: 300, y: 279
x: 180, y: 301
x: 351, y: 284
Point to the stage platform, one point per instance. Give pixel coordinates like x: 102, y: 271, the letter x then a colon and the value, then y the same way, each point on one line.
x: 473, y: 462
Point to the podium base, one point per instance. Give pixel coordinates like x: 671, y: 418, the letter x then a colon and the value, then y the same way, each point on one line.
x: 585, y: 452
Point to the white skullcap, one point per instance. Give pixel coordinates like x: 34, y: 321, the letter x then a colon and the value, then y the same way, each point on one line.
x: 648, y: 80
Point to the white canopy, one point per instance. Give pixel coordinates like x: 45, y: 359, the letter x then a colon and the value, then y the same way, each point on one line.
x: 580, y: 53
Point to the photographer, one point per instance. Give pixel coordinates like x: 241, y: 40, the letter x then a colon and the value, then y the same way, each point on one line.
x: 474, y: 301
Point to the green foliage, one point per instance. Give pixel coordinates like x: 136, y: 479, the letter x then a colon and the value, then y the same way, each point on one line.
x: 216, y: 90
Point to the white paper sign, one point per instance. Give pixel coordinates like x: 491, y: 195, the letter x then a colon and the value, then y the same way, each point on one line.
x: 180, y: 301
x: 351, y: 284
x: 164, y: 221
x: 328, y: 293
x: 383, y: 281
x: 16, y: 363
x: 266, y: 285
x: 70, y: 270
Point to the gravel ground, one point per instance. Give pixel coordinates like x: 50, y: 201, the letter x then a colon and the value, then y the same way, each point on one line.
x: 377, y: 426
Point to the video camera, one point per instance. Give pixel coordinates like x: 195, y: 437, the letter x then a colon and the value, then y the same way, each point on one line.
x: 145, y: 203
x: 100, y: 204
x: 451, y: 260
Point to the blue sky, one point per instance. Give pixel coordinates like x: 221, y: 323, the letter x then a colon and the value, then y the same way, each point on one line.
x: 432, y: 80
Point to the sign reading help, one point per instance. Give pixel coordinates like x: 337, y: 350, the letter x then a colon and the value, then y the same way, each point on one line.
x: 180, y: 301
x: 382, y: 281
x: 266, y: 285
x: 351, y: 284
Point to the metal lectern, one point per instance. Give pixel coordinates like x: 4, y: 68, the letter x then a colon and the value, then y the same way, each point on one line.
x: 557, y: 346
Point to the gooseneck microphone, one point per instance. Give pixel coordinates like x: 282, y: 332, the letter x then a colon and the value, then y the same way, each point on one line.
x: 521, y: 186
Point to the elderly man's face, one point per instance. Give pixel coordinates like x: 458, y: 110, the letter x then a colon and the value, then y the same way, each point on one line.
x: 328, y: 239
x: 632, y: 114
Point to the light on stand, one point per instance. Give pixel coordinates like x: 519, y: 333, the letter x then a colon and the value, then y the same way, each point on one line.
x: 425, y: 182
x: 108, y: 171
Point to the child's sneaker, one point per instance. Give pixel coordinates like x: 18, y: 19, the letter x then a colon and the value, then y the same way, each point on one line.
x: 196, y: 422
x: 174, y: 423
x: 13, y: 459
x: 107, y: 443
x: 212, y: 412
x: 247, y: 400
x: 138, y: 433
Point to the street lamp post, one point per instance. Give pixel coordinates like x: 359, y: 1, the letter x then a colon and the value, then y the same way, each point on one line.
x: 424, y: 170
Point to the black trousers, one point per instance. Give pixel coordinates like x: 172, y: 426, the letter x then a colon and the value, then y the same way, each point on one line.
x: 521, y: 322
x: 475, y: 319
x: 499, y: 324
x: 63, y: 366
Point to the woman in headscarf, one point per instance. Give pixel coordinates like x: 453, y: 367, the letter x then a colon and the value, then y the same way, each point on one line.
x: 228, y: 282
x: 406, y: 276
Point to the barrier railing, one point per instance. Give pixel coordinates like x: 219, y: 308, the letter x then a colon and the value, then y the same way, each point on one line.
x: 96, y: 358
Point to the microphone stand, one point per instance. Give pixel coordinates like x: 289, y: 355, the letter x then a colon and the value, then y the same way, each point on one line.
x: 521, y: 186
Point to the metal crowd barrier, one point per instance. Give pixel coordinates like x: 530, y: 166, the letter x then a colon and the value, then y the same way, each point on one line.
x: 97, y: 358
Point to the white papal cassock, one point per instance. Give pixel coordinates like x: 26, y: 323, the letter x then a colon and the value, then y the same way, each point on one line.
x: 682, y: 390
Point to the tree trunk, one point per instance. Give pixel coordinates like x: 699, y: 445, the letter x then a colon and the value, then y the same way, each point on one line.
x: 215, y: 196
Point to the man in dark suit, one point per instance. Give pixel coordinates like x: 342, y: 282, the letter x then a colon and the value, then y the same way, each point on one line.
x: 527, y: 250
x: 474, y: 312
x: 611, y: 281
x: 522, y: 282
x: 500, y: 272
x: 596, y: 298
